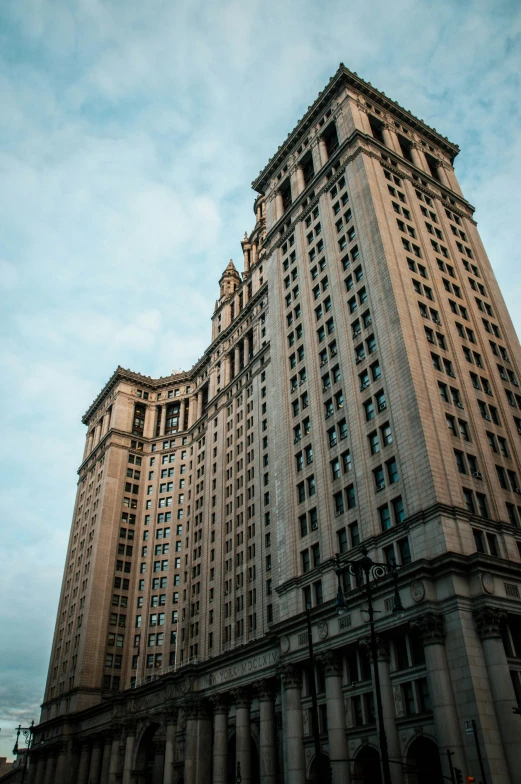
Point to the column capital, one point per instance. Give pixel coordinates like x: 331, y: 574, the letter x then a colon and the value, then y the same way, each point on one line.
x: 431, y: 628
x: 171, y: 715
x: 241, y: 697
x: 130, y: 727
x: 489, y: 621
x: 332, y: 663
x: 382, y: 648
x: 291, y: 676
x: 265, y: 689
x: 191, y: 708
x: 220, y: 703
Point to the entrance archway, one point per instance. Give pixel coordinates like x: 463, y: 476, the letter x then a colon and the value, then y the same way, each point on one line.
x: 150, y: 756
x: 367, y: 767
x: 423, y: 757
x: 255, y: 764
x: 319, y: 770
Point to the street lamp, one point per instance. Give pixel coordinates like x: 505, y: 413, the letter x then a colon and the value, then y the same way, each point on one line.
x: 366, y: 571
x: 28, y: 735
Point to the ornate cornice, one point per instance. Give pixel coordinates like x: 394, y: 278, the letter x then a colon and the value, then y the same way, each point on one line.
x: 489, y: 622
x: 346, y: 78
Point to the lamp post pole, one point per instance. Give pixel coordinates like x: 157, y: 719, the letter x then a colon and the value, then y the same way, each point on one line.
x: 364, y: 569
x: 314, y: 701
x: 28, y: 735
x: 382, y: 737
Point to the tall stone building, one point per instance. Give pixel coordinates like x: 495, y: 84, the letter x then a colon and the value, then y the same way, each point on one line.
x: 361, y: 390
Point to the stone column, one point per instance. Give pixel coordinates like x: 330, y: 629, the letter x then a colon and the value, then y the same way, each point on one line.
x: 442, y: 174
x: 32, y: 766
x: 199, y: 404
x: 204, y: 744
x: 171, y: 731
x: 61, y: 773
x: 279, y: 207
x: 387, y: 137
x: 336, y: 719
x: 162, y: 421
x: 182, y: 409
x: 190, y: 770
x: 192, y: 410
x: 95, y: 762
x: 243, y: 733
x: 105, y: 427
x: 83, y: 768
x: 40, y: 769
x: 254, y: 254
x: 149, y: 428
x: 114, y: 757
x: 227, y: 369
x: 220, y: 740
x: 105, y: 763
x: 246, y: 344
x: 489, y: 621
x: 293, y: 727
x: 86, y: 451
x: 267, y: 732
x: 50, y: 767
x: 431, y: 628
x: 388, y: 711
x: 130, y: 739
x: 322, y: 151
x: 246, y: 254
x: 237, y: 358
x: 301, y: 183
x: 417, y: 157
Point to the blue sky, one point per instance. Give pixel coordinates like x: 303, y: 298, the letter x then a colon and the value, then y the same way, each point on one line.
x: 129, y: 135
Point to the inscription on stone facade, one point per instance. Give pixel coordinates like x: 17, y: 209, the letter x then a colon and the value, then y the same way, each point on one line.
x: 246, y: 667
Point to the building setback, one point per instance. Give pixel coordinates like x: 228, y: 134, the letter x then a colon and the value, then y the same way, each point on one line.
x: 361, y: 390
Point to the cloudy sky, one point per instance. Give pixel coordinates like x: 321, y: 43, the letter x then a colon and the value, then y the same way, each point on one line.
x: 130, y: 133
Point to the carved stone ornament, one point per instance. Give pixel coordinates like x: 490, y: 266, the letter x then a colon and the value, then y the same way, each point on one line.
x: 219, y: 702
x: 291, y: 676
x: 417, y: 591
x: 241, y: 697
x: 331, y: 662
x: 382, y: 647
x: 487, y: 581
x: 431, y: 628
x: 265, y: 689
x: 191, y: 709
x: 323, y: 630
x: 489, y: 621
x: 284, y: 645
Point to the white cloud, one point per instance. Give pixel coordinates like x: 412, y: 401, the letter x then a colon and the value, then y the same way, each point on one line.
x: 131, y: 132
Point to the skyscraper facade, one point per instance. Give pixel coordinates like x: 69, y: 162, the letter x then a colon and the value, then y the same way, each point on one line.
x: 360, y: 394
